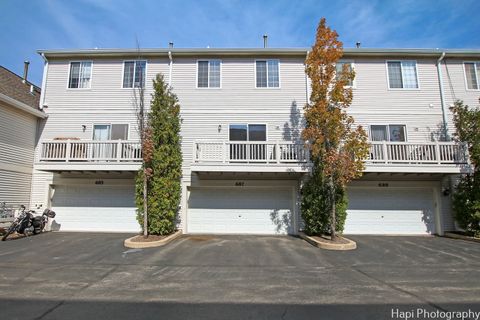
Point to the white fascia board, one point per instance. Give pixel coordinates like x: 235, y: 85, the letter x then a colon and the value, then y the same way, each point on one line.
x: 22, y: 106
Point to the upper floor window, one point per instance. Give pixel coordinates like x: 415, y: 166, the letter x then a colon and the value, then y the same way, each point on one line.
x: 388, y: 132
x: 80, y: 74
x: 402, y: 74
x: 339, y: 69
x: 472, y: 74
x: 208, y: 74
x: 134, y: 74
x: 267, y: 73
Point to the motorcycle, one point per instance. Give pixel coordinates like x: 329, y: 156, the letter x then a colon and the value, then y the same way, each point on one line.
x: 27, y: 222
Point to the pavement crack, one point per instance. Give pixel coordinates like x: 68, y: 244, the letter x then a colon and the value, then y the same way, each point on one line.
x: 284, y: 312
x: 50, y: 310
x: 391, y: 286
x: 60, y: 303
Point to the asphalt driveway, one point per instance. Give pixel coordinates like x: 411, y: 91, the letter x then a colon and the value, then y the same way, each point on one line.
x: 92, y: 276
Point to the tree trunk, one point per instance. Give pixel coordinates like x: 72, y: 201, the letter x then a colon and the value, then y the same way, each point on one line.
x: 333, y: 220
x: 145, y: 206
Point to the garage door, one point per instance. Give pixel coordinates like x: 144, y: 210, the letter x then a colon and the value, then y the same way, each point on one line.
x: 390, y: 211
x: 240, y: 211
x: 95, y: 208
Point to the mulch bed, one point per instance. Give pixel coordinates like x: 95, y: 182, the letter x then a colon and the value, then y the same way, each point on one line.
x: 327, y: 239
x: 149, y: 238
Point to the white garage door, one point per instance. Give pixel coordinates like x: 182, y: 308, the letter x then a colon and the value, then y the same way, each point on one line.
x: 95, y: 208
x: 390, y: 211
x: 240, y: 211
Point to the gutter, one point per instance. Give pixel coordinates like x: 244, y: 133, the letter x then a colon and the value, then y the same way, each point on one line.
x: 442, y: 96
x: 22, y: 106
x: 170, y: 67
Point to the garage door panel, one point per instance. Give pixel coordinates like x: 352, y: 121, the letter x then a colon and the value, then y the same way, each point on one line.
x: 390, y: 211
x: 95, y: 208
x: 259, y: 211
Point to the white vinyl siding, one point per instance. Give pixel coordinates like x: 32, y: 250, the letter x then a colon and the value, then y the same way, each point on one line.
x: 209, y: 74
x: 267, y: 73
x: 134, y: 74
x: 17, y: 144
x: 402, y: 74
x: 80, y: 74
x: 472, y: 75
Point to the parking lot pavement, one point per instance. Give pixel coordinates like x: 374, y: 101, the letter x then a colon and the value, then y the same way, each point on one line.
x: 91, y: 275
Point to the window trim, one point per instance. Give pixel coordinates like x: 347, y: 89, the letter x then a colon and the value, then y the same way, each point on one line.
x: 255, y: 74
x: 388, y: 75
x: 110, y: 129
x: 476, y: 74
x: 388, y: 131
x: 123, y: 73
x: 248, y: 124
x: 208, y: 78
x: 354, y: 81
x: 70, y: 70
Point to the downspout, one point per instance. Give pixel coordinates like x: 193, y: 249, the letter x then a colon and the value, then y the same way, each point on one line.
x: 170, y: 67
x: 306, y: 80
x: 442, y: 96
x: 44, y: 82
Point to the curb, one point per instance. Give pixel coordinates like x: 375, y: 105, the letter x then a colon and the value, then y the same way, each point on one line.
x: 151, y: 244
x: 351, y: 245
x: 459, y: 236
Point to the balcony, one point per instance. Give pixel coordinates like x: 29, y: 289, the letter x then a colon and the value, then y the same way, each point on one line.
x: 436, y: 157
x: 228, y: 156
x: 249, y: 156
x: 79, y: 155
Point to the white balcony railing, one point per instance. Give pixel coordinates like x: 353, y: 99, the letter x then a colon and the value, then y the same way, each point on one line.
x: 90, y: 151
x: 249, y: 152
x: 440, y: 153
x: 417, y: 153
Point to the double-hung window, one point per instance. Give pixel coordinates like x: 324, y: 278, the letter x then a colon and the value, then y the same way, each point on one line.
x: 339, y: 69
x: 388, y: 132
x: 402, y: 74
x: 208, y: 74
x: 134, y: 74
x: 267, y: 73
x: 80, y: 74
x: 472, y: 75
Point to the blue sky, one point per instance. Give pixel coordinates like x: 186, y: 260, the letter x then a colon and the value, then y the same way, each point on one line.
x: 28, y: 25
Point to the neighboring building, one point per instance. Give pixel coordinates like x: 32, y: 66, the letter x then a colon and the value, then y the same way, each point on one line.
x: 243, y: 160
x: 19, y: 115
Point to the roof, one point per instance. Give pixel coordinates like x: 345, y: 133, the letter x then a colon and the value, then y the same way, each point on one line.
x: 66, y: 53
x: 12, y: 86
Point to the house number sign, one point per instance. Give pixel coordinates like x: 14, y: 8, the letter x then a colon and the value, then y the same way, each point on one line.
x: 99, y: 182
x: 383, y: 184
x: 239, y: 183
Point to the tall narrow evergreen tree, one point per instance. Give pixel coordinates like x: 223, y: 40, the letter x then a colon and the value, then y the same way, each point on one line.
x: 165, y: 164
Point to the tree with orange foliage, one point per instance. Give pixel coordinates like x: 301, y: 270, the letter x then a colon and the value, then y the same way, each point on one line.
x: 337, y: 146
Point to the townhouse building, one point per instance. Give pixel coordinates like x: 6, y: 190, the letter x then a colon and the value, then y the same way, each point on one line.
x: 19, y: 117
x: 243, y: 158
